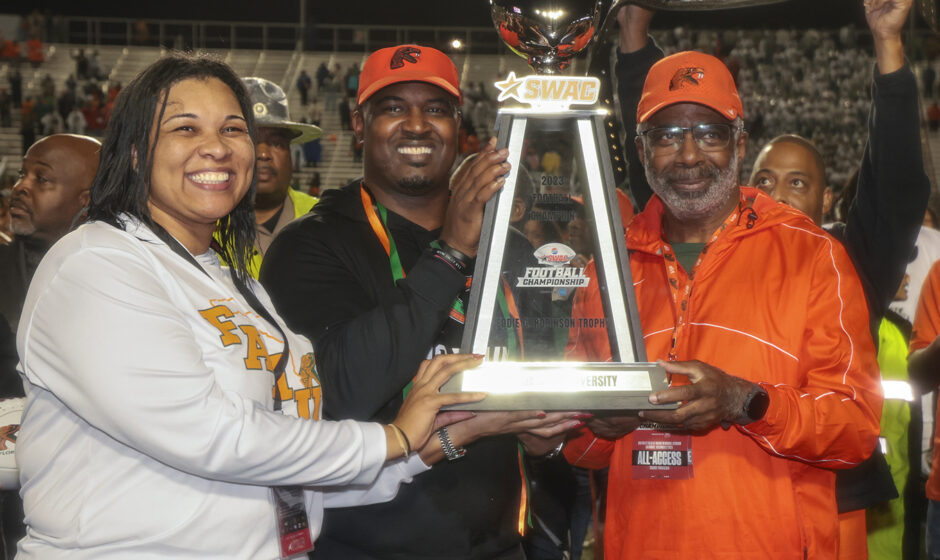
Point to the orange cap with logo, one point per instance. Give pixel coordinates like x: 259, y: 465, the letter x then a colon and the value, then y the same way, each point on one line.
x: 689, y: 77
x: 407, y: 63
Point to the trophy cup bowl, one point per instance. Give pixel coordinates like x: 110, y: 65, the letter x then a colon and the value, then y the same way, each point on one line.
x: 548, y: 33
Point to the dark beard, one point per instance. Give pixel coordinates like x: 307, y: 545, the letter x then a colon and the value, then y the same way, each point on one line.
x: 415, y: 185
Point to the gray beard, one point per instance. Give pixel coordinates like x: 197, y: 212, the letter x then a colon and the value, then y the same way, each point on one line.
x: 686, y: 205
x: 22, y: 228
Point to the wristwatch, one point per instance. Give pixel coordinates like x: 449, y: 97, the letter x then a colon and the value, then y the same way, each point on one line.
x: 755, y: 406
x: 452, y: 453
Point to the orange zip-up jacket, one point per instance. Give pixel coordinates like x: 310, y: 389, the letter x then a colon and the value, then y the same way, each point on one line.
x: 774, y: 300
x: 927, y: 328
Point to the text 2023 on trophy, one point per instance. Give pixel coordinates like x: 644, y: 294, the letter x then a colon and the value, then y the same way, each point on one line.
x: 520, y: 312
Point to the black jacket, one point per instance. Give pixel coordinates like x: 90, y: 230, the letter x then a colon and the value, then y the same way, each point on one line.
x: 880, y: 230
x: 330, y: 279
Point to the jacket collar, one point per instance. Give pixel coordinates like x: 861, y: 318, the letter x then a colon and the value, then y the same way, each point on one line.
x: 756, y: 212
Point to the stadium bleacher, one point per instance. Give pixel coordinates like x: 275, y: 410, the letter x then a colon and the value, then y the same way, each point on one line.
x: 813, y: 82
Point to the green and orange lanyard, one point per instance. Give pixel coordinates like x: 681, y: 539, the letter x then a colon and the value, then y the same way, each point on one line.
x: 377, y: 215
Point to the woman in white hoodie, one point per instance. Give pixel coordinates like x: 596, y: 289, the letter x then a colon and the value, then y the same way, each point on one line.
x: 171, y: 413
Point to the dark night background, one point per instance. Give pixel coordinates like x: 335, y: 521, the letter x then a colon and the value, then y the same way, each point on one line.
x: 793, y: 13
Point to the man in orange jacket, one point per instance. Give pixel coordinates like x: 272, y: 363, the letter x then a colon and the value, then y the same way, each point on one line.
x: 760, y: 319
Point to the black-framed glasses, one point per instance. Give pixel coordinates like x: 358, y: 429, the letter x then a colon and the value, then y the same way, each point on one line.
x: 709, y: 137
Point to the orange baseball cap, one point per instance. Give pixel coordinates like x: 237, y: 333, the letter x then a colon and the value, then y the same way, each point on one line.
x: 689, y: 77
x: 407, y: 63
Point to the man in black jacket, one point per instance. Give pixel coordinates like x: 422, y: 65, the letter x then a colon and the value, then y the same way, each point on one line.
x: 377, y: 276
x: 48, y: 200
x: 883, y: 220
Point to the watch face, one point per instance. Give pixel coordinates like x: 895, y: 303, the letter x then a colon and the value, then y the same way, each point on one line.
x: 757, y: 405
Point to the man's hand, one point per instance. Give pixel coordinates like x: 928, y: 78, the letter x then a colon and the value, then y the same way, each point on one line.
x: 923, y: 367
x: 634, y: 24
x: 613, y: 427
x: 477, y: 179
x: 886, y: 19
x: 713, y: 397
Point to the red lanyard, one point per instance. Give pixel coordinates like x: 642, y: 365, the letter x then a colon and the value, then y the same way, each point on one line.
x: 680, y: 287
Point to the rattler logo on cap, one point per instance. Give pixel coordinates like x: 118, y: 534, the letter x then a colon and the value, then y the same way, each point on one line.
x: 403, y: 55
x: 261, y: 109
x: 686, y: 77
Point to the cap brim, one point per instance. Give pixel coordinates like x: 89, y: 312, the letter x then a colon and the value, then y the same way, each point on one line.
x: 729, y: 114
x: 398, y: 77
x: 305, y: 132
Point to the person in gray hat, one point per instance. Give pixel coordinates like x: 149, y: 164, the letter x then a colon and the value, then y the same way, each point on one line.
x: 276, y: 203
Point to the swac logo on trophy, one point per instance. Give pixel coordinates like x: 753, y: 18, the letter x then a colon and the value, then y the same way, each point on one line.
x: 557, y: 92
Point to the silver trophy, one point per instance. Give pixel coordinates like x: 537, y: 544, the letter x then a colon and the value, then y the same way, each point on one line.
x: 548, y: 33
x: 520, y: 311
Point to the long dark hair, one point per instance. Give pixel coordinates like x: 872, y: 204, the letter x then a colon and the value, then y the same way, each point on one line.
x: 122, y: 184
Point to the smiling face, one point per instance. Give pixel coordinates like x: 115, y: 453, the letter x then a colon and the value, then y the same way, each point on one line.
x: 410, y: 138
x: 791, y: 174
x: 203, y: 160
x: 694, y: 184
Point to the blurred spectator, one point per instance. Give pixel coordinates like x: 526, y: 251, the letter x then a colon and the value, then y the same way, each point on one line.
x: 75, y: 122
x: 66, y: 102
x: 323, y: 72
x: 303, y: 86
x: 9, y: 49
x: 333, y: 89
x: 34, y: 51
x: 351, y: 81
x: 114, y: 88
x: 313, y: 153
x: 6, y: 109
x: 47, y: 86
x: 94, y: 117
x: 933, y: 116
x: 81, y: 65
x: 16, y: 86
x: 345, y: 115
x: 28, y: 122
x: 141, y: 33
x: 51, y: 123
x: 45, y: 104
x: 314, y: 185
x: 95, y: 70
x: 314, y: 114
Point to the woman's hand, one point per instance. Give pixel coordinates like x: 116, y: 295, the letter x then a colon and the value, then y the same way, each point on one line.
x: 417, y: 418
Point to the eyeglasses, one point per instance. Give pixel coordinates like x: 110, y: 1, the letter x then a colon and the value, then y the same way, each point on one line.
x: 709, y: 137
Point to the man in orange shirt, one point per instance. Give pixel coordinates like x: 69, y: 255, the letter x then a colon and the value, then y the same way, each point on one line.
x: 924, y: 369
x: 755, y: 309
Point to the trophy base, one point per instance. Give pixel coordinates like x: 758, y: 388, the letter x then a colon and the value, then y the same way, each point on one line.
x: 581, y: 386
